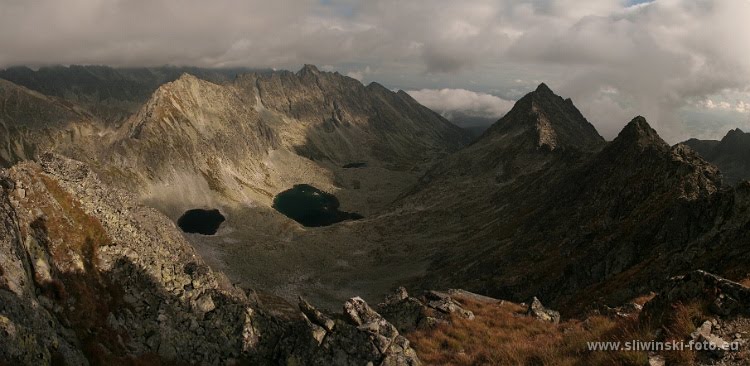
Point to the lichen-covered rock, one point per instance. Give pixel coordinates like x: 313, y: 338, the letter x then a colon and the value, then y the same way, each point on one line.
x: 316, y: 316
x: 434, y: 307
x: 443, y: 302
x: 359, y: 336
x: 538, y: 311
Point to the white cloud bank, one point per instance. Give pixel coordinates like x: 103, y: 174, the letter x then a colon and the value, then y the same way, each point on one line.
x: 468, y: 102
x: 739, y: 106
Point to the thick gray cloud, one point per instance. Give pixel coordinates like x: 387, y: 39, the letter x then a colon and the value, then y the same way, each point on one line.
x: 662, y: 59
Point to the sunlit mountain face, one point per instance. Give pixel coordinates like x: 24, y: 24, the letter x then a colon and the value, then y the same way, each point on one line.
x: 374, y: 183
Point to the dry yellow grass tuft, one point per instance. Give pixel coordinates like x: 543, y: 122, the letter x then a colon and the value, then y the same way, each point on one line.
x: 681, y: 321
x: 501, y: 335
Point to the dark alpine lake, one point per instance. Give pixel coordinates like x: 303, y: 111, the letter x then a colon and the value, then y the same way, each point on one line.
x: 200, y: 221
x: 311, y: 207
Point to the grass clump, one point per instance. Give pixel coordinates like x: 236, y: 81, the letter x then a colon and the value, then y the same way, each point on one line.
x: 502, y: 335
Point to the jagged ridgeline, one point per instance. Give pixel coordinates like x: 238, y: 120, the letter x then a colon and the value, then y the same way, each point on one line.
x: 731, y: 154
x: 112, y: 94
x: 191, y: 146
x: 264, y: 174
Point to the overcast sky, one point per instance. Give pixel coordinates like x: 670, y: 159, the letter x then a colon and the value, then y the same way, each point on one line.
x: 684, y: 64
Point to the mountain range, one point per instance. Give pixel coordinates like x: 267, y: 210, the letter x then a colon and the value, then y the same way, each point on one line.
x: 731, y: 154
x: 101, y: 163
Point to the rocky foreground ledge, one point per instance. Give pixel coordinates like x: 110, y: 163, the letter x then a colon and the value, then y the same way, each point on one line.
x: 88, y: 276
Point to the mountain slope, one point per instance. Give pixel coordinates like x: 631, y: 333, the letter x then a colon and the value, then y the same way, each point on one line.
x: 111, y: 94
x: 344, y: 121
x: 246, y: 141
x: 731, y: 154
x: 234, y: 146
x: 31, y: 123
x: 539, y: 130
x: 89, y: 276
x: 576, y: 220
x: 544, y: 120
x: 539, y: 205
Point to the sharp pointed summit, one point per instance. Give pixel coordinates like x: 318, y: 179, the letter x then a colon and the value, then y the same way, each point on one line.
x: 734, y: 135
x: 550, y: 122
x: 639, y: 133
x: 544, y: 89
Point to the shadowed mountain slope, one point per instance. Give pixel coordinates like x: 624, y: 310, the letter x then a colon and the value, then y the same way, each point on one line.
x: 110, y: 93
x: 31, y: 122
x: 577, y: 220
x: 731, y: 154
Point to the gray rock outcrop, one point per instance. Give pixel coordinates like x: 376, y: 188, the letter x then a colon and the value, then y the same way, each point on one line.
x: 409, y: 313
x: 88, y: 276
x: 538, y: 311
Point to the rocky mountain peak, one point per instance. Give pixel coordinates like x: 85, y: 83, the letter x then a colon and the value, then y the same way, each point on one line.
x: 185, y: 80
x: 374, y: 86
x: 731, y: 154
x: 308, y: 69
x: 550, y: 121
x: 735, y: 136
x: 544, y: 89
x: 735, y: 131
x: 639, y: 133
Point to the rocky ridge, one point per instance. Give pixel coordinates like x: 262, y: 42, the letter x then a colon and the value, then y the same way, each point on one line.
x: 540, y: 205
x: 93, y: 277
x: 577, y: 226
x: 111, y: 94
x: 31, y: 122
x: 240, y: 143
x: 731, y: 154
x: 723, y: 321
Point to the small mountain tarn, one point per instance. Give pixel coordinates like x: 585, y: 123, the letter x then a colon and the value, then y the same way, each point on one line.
x: 199, y: 221
x: 311, y: 207
x: 355, y: 165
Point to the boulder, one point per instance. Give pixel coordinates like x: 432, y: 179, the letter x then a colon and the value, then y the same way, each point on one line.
x: 360, y: 336
x: 725, y: 298
x: 538, y: 311
x: 315, y: 316
x: 403, y: 311
x: 408, y: 313
x: 702, y: 331
x: 444, y: 303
